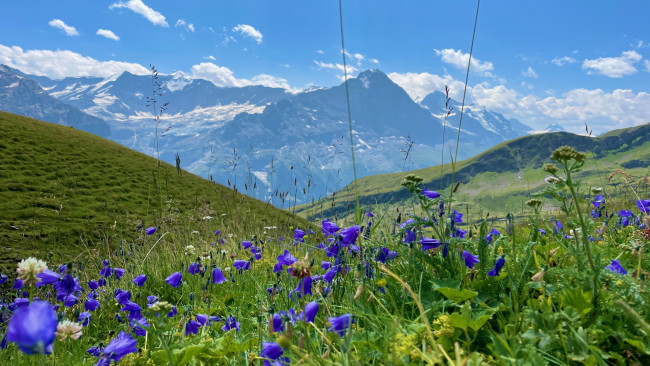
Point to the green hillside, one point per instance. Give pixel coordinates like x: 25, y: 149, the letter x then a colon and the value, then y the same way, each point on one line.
x: 65, y: 193
x: 501, y: 179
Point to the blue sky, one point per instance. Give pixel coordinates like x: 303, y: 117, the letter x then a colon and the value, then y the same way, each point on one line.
x: 567, y: 62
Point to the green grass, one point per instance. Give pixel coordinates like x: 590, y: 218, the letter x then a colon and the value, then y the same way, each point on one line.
x: 63, y: 191
x: 499, y: 180
x: 417, y: 308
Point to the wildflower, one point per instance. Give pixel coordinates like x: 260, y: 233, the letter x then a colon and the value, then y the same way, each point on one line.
x: 534, y: 203
x: 29, y: 268
x: 139, y: 325
x: 340, y: 324
x: 32, y: 327
x: 174, y: 279
x: 150, y: 230
x: 494, y: 272
x: 625, y: 217
x: 91, y: 305
x: 119, y: 272
x: 18, y: 284
x: 93, y: 285
x: 429, y: 243
x: 277, y: 323
x: 231, y: 323
x: 566, y: 153
x: 459, y: 233
x: 192, y: 327
x: 644, y: 206
x: 118, y: 348
x: 84, y: 318
x: 329, y: 228
x: 172, y: 312
x: 430, y: 194
x: 311, y: 309
x: 557, y: 226
x: 286, y: 258
x: 139, y: 280
x: 204, y: 319
x: 445, y: 250
x: 470, y: 260
x: 217, y: 276
x: 542, y: 232
x: 325, y: 265
x: 615, y: 267
x: 406, y: 223
x: 595, y: 213
x: 241, y: 265
x: 599, y: 200
x: 299, y: 235
x: 3, y: 278
x: 304, y: 287
x: 410, y: 236
x: 271, y: 351
x: 550, y: 168
x: 301, y: 269
x: 123, y: 297
x: 349, y: 235
x: 456, y: 217
x: 194, y: 268
x: 68, y: 330
x: 246, y: 244
x: 369, y: 214
x: 47, y: 277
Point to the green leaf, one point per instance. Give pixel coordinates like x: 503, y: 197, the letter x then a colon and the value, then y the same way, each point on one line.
x: 457, y: 296
x: 463, y: 319
x: 637, y: 344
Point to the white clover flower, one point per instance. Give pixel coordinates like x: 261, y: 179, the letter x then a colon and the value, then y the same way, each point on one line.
x: 29, y: 268
x: 68, y: 330
x: 190, y: 250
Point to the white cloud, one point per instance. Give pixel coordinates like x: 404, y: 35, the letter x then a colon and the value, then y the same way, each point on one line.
x: 320, y: 52
x: 530, y: 73
x: 613, y: 67
x: 108, y: 34
x: 602, y: 110
x: 358, y: 56
x: 182, y: 23
x: 210, y: 57
x: 223, y: 77
x: 419, y: 85
x: 58, y: 23
x: 61, y: 63
x: 139, y: 7
x: 646, y: 63
x: 561, y: 61
x: 459, y: 60
x: 339, y: 67
x: 249, y: 31
x: 373, y: 60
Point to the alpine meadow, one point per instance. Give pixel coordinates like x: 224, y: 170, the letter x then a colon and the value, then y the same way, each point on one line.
x: 324, y: 183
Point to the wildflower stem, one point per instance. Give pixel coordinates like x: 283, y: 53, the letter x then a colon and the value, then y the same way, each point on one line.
x: 585, y: 239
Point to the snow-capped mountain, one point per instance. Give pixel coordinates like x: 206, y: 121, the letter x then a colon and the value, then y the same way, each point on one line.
x: 492, y: 127
x: 21, y: 95
x: 274, y: 144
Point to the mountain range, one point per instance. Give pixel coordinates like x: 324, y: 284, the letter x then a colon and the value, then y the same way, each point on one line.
x: 267, y: 142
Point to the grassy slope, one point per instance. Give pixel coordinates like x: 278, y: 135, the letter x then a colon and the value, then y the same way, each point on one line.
x: 62, y: 190
x: 501, y: 179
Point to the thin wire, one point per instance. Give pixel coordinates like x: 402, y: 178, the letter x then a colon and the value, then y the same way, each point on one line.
x: 347, y: 97
x: 462, y: 107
